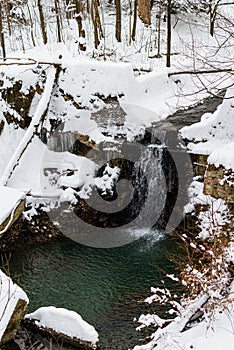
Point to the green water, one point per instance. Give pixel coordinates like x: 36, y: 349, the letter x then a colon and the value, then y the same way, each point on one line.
x: 103, y: 285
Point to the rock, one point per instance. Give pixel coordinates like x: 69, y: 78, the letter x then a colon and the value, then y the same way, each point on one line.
x: 64, y: 326
x: 2, y: 123
x: 219, y: 183
x: 13, y: 304
x: 18, y: 211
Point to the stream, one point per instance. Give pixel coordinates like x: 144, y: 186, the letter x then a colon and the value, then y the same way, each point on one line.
x: 103, y: 285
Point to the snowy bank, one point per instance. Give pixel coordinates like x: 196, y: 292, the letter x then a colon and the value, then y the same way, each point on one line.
x: 213, y: 332
x: 64, y: 322
x: 214, y: 134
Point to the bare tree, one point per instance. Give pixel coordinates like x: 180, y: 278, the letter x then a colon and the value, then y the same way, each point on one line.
x: 56, y: 6
x: 213, y: 7
x: 134, y: 21
x: 8, y: 7
x: 169, y: 4
x: 31, y: 25
x: 118, y: 20
x: 42, y: 20
x: 2, y: 34
x: 159, y: 18
x: 144, y: 11
x: 81, y: 31
x: 96, y: 23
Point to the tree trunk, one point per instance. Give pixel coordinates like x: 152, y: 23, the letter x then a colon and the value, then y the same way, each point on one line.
x: 2, y: 34
x: 159, y: 18
x: 95, y: 29
x: 56, y: 5
x: 7, y: 9
x: 68, y: 12
x: 118, y: 20
x: 144, y: 11
x: 42, y: 20
x: 31, y: 26
x: 213, y: 14
x: 81, y: 31
x: 97, y: 18
x: 168, y: 63
x: 134, y: 21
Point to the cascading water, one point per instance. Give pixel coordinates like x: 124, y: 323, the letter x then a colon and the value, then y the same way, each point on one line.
x: 61, y: 141
x: 150, y: 183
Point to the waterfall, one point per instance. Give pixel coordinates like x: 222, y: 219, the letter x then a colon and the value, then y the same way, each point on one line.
x: 150, y: 185
x: 61, y: 141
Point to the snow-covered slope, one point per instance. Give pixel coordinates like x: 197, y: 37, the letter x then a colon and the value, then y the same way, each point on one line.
x: 214, y: 134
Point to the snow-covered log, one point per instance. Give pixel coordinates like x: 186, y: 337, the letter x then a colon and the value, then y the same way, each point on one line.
x: 63, y: 325
x: 33, y: 127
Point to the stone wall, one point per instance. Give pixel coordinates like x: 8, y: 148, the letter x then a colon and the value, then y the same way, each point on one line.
x: 218, y: 181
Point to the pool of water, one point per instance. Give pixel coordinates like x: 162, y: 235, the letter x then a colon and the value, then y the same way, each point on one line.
x: 105, y: 286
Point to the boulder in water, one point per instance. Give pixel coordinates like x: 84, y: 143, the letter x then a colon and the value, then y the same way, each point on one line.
x: 65, y: 326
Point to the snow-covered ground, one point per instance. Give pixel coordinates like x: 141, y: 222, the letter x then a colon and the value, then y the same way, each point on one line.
x: 209, y: 334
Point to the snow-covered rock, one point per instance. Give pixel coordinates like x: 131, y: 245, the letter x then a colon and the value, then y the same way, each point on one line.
x: 13, y: 303
x: 65, y: 323
x: 214, y: 134
x: 10, y: 201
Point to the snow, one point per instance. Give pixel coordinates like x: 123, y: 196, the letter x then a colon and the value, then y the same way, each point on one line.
x: 64, y: 321
x: 223, y: 156
x: 209, y: 334
x: 9, y: 140
x: 84, y: 125
x: 41, y: 108
x: 109, y: 178
x: 45, y: 173
x: 10, y: 294
x: 217, y: 335
x: 211, y: 219
x: 214, y: 134
x: 9, y: 200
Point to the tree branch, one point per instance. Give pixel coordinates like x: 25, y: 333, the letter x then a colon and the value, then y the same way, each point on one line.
x: 197, y: 72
